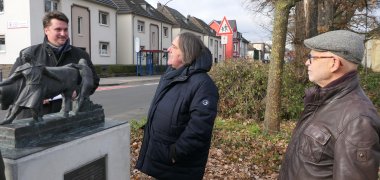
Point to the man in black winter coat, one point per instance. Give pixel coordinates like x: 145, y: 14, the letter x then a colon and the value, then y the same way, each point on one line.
x: 55, y: 51
x: 178, y: 133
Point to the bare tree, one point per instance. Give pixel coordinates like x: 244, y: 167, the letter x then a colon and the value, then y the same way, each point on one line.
x: 311, y: 17
x: 273, y: 103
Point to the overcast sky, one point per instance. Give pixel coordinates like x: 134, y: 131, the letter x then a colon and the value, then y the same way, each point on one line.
x: 249, y: 24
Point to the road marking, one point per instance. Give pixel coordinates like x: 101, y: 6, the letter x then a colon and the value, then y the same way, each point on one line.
x: 106, y: 88
x: 148, y: 84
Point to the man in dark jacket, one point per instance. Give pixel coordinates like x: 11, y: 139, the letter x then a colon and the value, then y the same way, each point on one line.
x: 337, y: 136
x: 55, y: 51
x: 178, y: 133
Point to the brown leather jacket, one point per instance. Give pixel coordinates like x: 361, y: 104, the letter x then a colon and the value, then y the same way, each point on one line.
x: 337, y: 136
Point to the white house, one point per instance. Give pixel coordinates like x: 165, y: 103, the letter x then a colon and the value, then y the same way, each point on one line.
x: 92, y: 26
x: 372, y: 54
x: 141, y: 27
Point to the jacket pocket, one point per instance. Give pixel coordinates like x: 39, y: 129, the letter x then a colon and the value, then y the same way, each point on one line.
x: 313, y: 143
x: 159, y: 150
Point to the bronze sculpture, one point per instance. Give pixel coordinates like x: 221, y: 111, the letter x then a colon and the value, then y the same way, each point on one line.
x: 87, y: 83
x: 31, y: 83
x: 31, y: 95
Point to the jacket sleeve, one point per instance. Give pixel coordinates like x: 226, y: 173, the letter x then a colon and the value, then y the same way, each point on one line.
x: 357, y: 151
x: 197, y: 134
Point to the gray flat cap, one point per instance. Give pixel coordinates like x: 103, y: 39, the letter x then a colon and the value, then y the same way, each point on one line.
x: 345, y: 44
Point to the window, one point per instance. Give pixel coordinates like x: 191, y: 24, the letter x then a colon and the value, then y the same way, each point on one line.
x: 140, y: 26
x: 1, y: 6
x: 51, y: 5
x: 103, y: 18
x: 2, y: 43
x: 153, y: 39
x: 211, y: 43
x: 166, y: 32
x: 104, y: 48
x: 80, y: 19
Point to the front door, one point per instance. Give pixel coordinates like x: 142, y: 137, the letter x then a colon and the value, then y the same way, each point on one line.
x: 80, y: 23
x: 154, y: 37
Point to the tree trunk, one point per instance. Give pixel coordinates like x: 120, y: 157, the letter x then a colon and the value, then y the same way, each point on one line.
x: 273, y: 97
x: 306, y: 19
x: 311, y: 18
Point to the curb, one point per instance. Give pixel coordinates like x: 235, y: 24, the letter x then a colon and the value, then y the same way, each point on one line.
x: 129, y: 82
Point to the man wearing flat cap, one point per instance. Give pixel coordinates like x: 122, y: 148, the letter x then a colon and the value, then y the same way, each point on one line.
x: 337, y: 136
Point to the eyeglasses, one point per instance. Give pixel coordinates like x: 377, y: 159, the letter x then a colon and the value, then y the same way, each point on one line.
x: 310, y: 57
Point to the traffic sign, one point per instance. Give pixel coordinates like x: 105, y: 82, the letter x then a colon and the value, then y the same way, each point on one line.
x: 224, y: 27
x: 224, y: 39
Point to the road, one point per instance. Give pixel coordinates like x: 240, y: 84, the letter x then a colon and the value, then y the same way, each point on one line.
x: 122, y: 102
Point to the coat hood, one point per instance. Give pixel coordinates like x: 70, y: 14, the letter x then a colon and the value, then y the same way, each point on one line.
x: 203, y: 62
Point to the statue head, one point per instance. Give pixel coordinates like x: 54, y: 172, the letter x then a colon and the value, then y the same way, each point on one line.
x: 27, y: 58
x: 82, y: 62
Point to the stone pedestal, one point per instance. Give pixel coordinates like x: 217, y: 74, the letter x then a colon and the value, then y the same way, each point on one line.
x: 84, y: 146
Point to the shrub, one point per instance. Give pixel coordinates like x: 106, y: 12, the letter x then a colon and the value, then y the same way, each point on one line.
x: 370, y: 81
x: 242, y: 87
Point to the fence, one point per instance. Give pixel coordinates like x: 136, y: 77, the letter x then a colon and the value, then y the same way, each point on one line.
x: 150, y: 62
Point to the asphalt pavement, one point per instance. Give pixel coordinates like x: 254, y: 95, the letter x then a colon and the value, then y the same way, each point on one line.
x: 114, y: 81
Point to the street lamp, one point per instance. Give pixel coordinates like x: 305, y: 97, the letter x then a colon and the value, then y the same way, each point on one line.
x: 167, y: 2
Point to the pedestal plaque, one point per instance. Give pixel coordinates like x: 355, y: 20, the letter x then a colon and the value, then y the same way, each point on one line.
x: 95, y: 171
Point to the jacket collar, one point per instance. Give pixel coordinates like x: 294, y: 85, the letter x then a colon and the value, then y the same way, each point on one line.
x: 334, y: 90
x: 66, y: 47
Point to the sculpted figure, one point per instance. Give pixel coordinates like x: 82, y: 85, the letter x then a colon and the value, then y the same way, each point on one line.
x: 87, y: 83
x: 31, y: 96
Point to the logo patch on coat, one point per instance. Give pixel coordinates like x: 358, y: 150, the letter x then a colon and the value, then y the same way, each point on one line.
x: 205, y: 102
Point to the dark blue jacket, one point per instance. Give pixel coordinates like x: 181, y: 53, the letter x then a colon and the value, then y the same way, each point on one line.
x: 178, y: 133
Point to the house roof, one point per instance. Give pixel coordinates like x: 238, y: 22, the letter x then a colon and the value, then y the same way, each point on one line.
x: 206, y: 29
x: 108, y: 3
x: 250, y: 47
x: 141, y: 8
x: 245, y: 40
x: 177, y: 18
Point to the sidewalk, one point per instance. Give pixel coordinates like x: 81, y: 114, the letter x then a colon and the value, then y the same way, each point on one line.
x: 113, y: 81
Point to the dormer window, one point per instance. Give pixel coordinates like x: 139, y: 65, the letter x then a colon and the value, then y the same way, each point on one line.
x: 185, y: 20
